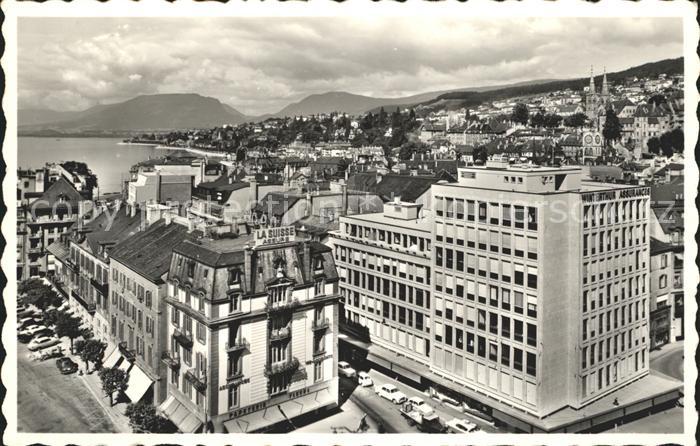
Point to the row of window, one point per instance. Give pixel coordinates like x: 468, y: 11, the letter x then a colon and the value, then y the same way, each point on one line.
x: 133, y: 341
x: 607, y: 348
x: 519, y: 217
x: 611, y: 373
x: 512, y: 357
x: 399, y: 239
x: 492, y: 241
x: 494, y: 296
x: 482, y: 267
x: 610, y: 213
x: 488, y: 322
x: 611, y: 319
x: 386, y: 265
x: 389, y: 288
x: 92, y: 268
x: 606, y: 241
x: 612, y: 293
x: 388, y: 311
x: 605, y: 269
x: 127, y: 283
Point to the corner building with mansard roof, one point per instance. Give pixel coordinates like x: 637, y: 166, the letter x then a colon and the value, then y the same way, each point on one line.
x: 251, y: 332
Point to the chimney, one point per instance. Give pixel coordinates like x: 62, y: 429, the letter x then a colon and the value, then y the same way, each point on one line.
x: 248, y: 269
x: 307, y: 208
x: 158, y: 186
x: 132, y: 210
x: 168, y: 217
x: 344, y: 199
x: 190, y: 225
x: 307, y: 260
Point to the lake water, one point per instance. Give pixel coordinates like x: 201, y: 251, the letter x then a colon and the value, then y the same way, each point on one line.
x: 109, y: 161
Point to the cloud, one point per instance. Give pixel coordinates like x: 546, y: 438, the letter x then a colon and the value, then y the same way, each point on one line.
x: 259, y: 65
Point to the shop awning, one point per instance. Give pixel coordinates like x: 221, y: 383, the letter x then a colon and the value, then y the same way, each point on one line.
x: 254, y: 421
x: 124, y: 364
x: 186, y: 421
x: 139, y: 383
x: 272, y: 415
x: 112, y: 359
x: 307, y: 403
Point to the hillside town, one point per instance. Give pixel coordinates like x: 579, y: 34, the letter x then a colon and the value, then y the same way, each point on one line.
x: 404, y: 264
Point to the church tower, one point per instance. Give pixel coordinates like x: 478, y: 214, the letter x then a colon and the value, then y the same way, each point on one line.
x: 591, y: 98
x: 604, y: 93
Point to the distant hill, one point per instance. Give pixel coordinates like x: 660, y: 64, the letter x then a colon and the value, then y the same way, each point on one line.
x: 459, y: 99
x: 341, y: 101
x: 149, y: 112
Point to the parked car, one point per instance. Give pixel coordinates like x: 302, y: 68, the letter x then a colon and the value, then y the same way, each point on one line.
x: 419, y: 414
x: 24, y: 313
x: 66, y: 366
x: 30, y: 331
x: 364, y: 380
x: 345, y: 370
x: 47, y: 353
x: 461, y: 426
x: 390, y: 392
x: 42, y: 342
x: 27, y: 321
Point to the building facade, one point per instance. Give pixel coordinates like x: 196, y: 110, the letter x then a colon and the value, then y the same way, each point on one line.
x: 540, y: 285
x: 251, y: 332
x: 383, y: 262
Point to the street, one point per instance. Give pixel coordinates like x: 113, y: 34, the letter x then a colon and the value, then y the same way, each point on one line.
x: 668, y: 360
x: 51, y: 402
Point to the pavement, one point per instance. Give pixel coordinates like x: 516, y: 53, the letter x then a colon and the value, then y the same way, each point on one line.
x: 346, y: 420
x: 665, y: 422
x: 668, y: 360
x: 49, y: 402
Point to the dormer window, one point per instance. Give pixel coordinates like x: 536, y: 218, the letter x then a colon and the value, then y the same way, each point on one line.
x: 318, y: 263
x: 190, y: 269
x: 234, y: 277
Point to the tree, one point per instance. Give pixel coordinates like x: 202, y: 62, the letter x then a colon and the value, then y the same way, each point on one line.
x: 240, y: 154
x: 92, y: 351
x: 144, y: 418
x: 575, y: 120
x: 537, y: 119
x: 50, y: 316
x: 480, y: 154
x: 68, y: 326
x: 677, y: 139
x: 40, y: 295
x: 552, y: 120
x: 657, y: 100
x: 29, y: 284
x: 612, y: 129
x: 113, y: 380
x: 520, y: 113
x: 654, y: 145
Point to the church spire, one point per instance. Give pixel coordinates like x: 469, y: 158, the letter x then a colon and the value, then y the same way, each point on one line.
x: 604, y: 91
x: 591, y: 86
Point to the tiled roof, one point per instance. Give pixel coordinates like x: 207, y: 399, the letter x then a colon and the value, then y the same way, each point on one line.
x: 60, y: 190
x: 215, y: 252
x: 148, y: 253
x: 659, y: 247
x: 111, y: 228
x: 409, y: 187
x: 276, y: 204
x: 59, y: 249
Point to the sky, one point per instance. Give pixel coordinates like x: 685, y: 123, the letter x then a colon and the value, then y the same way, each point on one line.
x: 259, y: 65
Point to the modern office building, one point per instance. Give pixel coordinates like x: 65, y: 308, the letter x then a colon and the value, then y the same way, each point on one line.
x: 383, y: 261
x: 540, y: 286
x: 251, y: 331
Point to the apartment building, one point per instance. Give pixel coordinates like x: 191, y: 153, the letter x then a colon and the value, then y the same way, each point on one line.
x: 540, y: 285
x: 138, y: 269
x: 383, y: 261
x: 251, y: 331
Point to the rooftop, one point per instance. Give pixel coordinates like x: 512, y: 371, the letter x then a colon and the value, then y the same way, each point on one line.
x: 424, y: 223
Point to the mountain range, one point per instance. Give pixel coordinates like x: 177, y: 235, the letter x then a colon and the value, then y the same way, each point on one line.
x: 182, y: 111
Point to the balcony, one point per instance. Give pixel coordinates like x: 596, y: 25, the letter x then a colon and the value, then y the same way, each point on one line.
x: 73, y: 265
x: 280, y: 334
x: 171, y: 359
x: 281, y: 306
x: 198, y: 378
x: 319, y: 352
x: 320, y: 324
x: 35, y: 250
x: 235, y: 378
x: 183, y: 337
x: 100, y: 287
x: 237, y: 345
x: 129, y: 355
x: 89, y: 306
x: 278, y: 368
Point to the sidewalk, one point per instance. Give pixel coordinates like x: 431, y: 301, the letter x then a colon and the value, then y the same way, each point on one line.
x: 94, y: 385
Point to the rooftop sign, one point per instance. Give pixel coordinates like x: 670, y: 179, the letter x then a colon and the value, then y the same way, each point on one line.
x: 273, y: 236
